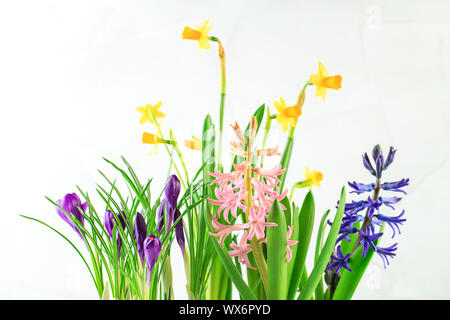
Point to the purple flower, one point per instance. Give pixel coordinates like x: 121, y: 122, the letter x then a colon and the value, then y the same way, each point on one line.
x: 110, y: 221
x: 395, y: 186
x: 360, y: 187
x: 340, y: 261
x: 344, y: 232
x: 169, y: 204
x: 354, y: 207
x: 389, y: 201
x: 152, y: 249
x: 160, y: 215
x: 172, y: 191
x: 390, y: 158
x: 393, y: 222
x: 140, y: 232
x: 72, y: 205
x: 179, y: 232
x: 384, y: 253
x: 368, y: 165
x: 372, y: 205
x: 366, y: 240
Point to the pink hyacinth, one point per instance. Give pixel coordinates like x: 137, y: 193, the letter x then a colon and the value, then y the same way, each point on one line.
x: 257, y: 223
x: 228, y: 200
x: 224, y: 230
x: 242, y: 250
x: 270, y: 174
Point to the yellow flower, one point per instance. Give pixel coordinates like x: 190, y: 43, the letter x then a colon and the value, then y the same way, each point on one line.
x: 323, y: 81
x: 194, y: 144
x: 147, y: 114
x: 313, y: 178
x: 287, y: 115
x: 200, y: 33
x: 150, y: 138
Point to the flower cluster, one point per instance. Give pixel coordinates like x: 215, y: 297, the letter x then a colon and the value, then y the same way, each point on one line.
x: 250, y: 189
x: 364, y: 226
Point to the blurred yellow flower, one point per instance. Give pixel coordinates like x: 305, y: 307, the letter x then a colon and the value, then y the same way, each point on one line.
x: 313, y: 178
x: 150, y: 138
x: 287, y: 115
x: 147, y: 114
x: 194, y: 144
x: 200, y: 33
x: 323, y: 82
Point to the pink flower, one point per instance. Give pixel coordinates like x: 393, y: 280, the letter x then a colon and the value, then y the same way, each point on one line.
x: 228, y: 200
x: 222, y: 178
x: 242, y: 250
x: 290, y: 243
x: 224, y: 230
x: 270, y: 174
x: 257, y: 223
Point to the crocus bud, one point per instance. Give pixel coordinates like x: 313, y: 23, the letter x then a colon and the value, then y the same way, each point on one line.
x: 152, y: 249
x: 179, y: 232
x: 109, y: 226
x: 140, y: 232
x: 72, y: 205
x: 172, y: 191
x: 160, y: 215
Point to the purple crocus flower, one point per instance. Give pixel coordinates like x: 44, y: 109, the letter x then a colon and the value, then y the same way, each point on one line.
x: 140, y: 232
x: 395, y: 186
x: 171, y: 192
x: 366, y: 240
x: 339, y: 261
x: 110, y: 221
x: 384, y: 253
x: 72, y: 205
x: 152, y: 249
x: 160, y: 215
x: 360, y: 187
x: 179, y: 232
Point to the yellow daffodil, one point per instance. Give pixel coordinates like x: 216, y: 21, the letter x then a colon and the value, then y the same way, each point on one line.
x: 194, y: 144
x: 313, y: 178
x: 150, y: 138
x: 323, y: 82
x: 200, y: 33
x: 287, y: 115
x: 147, y: 112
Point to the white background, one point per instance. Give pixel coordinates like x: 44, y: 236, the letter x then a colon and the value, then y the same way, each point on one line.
x: 73, y: 72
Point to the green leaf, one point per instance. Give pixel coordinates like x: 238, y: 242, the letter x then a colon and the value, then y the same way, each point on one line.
x: 319, y: 294
x: 306, y: 224
x: 228, y: 264
x: 285, y: 159
x: 276, y: 254
x: 349, y: 280
x: 326, y: 252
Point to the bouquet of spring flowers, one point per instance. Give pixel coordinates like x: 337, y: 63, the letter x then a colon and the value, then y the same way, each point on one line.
x: 236, y: 228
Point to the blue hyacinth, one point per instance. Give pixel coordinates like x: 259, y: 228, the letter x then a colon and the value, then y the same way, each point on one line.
x: 370, y: 213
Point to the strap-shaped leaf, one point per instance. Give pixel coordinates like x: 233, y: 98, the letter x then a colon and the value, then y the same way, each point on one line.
x: 327, y: 250
x: 305, y: 224
x: 276, y: 253
x: 245, y: 292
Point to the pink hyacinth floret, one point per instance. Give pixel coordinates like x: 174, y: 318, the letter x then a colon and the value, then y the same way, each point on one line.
x: 242, y: 250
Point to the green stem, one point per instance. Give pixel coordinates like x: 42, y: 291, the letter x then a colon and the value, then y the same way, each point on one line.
x: 222, y: 100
